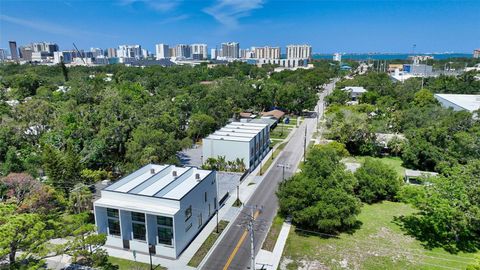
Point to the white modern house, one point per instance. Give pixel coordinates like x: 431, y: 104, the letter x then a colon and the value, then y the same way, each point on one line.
x: 243, y: 140
x: 158, y: 209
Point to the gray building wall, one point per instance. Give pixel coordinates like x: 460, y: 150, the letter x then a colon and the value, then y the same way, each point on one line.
x: 195, y: 199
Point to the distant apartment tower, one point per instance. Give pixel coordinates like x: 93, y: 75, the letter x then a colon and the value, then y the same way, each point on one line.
x: 162, y: 51
x: 247, y: 53
x: 13, y: 50
x: 183, y: 51
x: 44, y: 47
x: 267, y: 52
x: 199, y: 51
x: 129, y: 51
x: 476, y: 53
x: 3, y: 55
x: 111, y: 52
x: 172, y: 52
x: 213, y: 54
x: 26, y: 53
x: 64, y: 56
x: 337, y: 57
x: 299, y: 52
x: 96, y: 52
x: 231, y: 50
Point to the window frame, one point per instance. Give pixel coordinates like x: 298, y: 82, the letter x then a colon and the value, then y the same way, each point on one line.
x: 113, y: 218
x: 188, y: 213
x: 165, y: 225
x: 138, y: 222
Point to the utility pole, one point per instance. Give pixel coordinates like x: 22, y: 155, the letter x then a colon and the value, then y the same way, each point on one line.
x: 252, y: 246
x: 283, y: 166
x: 251, y: 224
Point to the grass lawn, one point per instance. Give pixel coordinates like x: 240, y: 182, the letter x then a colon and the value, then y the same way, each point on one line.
x: 127, y: 264
x: 378, y: 244
x: 273, y: 233
x: 277, y: 133
x: 394, y: 162
x: 205, y: 247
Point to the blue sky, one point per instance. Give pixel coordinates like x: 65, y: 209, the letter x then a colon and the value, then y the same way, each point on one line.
x: 329, y: 26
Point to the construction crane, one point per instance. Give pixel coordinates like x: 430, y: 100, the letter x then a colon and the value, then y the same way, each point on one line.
x: 81, y: 55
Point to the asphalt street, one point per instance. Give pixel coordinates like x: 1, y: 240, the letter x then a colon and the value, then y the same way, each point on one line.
x: 234, y: 251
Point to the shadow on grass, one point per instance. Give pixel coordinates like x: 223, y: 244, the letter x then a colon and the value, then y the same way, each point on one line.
x: 433, y: 236
x: 303, y: 231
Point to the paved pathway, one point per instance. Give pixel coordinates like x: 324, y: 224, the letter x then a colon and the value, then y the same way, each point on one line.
x: 270, y: 260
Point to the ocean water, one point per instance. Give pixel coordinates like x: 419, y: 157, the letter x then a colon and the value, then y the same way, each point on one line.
x: 391, y: 56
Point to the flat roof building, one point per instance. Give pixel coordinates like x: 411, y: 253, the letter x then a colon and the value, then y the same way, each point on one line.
x: 246, y: 141
x: 459, y: 102
x: 157, y: 209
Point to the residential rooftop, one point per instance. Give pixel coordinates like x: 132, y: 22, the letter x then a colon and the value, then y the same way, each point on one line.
x: 160, y: 181
x: 468, y: 102
x: 355, y: 89
x: 238, y: 131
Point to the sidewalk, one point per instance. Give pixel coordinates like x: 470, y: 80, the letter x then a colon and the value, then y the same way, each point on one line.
x: 271, y: 260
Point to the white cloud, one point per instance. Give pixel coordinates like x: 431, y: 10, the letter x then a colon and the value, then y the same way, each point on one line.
x: 48, y: 27
x: 39, y: 25
x: 228, y: 12
x: 157, y: 5
x: 174, y: 19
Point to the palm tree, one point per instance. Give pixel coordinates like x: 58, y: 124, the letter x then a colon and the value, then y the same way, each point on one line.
x: 80, y: 199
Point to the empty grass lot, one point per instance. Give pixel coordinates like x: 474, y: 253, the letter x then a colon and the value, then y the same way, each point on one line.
x: 378, y: 244
x: 394, y: 162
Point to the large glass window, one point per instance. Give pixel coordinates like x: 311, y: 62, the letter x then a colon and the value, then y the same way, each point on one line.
x: 165, y: 221
x: 112, y: 212
x: 138, y: 231
x: 113, y: 222
x: 113, y: 227
x: 139, y: 217
x: 138, y: 226
x: 165, y: 235
x: 165, y: 230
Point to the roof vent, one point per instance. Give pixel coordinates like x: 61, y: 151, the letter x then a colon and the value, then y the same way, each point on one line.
x: 197, y: 176
x: 152, y: 171
x: 174, y: 173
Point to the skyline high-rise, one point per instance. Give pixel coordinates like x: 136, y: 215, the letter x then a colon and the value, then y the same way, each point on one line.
x: 162, y: 51
x: 267, y: 52
x: 231, y: 50
x: 199, y: 51
x: 129, y: 51
x: 13, y: 50
x: 183, y: 51
x: 299, y: 51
